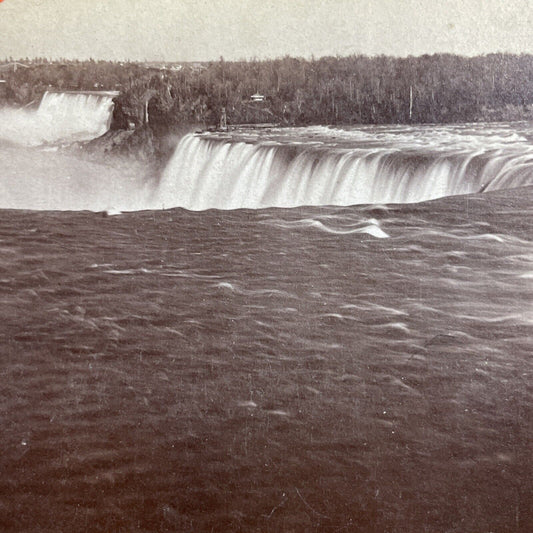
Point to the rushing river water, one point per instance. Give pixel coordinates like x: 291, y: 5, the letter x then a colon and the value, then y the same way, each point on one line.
x: 316, y: 368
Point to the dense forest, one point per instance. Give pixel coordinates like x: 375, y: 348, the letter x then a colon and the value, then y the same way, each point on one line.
x: 331, y: 90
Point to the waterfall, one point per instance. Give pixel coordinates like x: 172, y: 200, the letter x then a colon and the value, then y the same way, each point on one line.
x: 229, y: 174
x: 286, y: 168
x: 61, y: 117
x: 82, y: 115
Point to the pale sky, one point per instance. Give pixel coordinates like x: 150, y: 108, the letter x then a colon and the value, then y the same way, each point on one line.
x: 199, y: 30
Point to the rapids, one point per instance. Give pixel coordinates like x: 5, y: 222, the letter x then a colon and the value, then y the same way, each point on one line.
x: 276, y: 370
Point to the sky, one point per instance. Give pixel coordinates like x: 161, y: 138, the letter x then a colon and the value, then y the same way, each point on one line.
x: 201, y: 30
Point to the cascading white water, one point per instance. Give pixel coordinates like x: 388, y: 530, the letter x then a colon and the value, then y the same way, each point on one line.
x: 61, y: 117
x: 78, y: 114
x: 210, y: 171
x: 283, y: 168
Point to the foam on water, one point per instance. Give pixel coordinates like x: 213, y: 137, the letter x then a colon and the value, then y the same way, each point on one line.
x: 369, y: 226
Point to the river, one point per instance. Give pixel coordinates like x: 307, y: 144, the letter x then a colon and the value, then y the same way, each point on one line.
x: 332, y: 365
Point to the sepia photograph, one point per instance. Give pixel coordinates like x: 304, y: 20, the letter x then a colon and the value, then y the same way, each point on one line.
x: 266, y: 266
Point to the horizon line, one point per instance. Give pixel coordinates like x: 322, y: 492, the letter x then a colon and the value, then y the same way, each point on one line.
x: 262, y: 59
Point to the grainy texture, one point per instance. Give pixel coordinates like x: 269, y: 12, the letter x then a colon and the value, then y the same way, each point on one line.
x: 251, y: 371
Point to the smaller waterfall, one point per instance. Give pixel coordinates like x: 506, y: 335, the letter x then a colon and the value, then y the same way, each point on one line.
x: 61, y: 117
x: 82, y: 115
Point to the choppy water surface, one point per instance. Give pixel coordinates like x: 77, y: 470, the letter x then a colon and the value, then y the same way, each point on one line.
x: 307, y: 369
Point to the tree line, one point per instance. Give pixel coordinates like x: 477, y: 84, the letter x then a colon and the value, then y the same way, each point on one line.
x: 439, y: 88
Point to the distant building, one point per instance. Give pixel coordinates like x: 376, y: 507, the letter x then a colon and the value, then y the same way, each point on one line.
x: 196, y: 66
x: 257, y: 97
x: 159, y: 65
